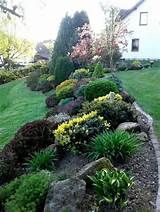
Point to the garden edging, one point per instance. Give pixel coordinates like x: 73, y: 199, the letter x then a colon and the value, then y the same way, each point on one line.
x: 156, y: 145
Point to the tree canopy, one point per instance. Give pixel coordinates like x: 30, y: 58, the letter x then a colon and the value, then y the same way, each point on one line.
x: 67, y: 35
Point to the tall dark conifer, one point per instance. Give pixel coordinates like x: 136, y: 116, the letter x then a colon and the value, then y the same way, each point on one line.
x: 67, y: 36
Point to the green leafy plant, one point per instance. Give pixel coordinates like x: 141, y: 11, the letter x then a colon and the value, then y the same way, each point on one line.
x: 111, y: 186
x: 42, y: 160
x: 99, y: 88
x: 98, y: 71
x: 26, y: 193
x: 117, y: 146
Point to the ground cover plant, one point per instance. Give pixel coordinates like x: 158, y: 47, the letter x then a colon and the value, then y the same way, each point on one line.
x: 19, y: 195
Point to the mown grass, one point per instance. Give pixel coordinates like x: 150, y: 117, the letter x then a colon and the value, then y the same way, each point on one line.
x: 145, y: 86
x: 18, y: 105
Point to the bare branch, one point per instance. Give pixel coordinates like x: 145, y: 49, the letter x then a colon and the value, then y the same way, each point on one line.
x: 11, y: 11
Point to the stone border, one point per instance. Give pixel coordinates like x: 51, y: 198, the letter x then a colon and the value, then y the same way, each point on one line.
x: 156, y: 146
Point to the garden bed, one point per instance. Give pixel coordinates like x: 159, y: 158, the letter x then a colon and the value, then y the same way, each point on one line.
x: 143, y: 166
x: 93, y: 151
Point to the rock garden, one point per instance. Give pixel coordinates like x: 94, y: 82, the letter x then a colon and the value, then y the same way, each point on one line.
x: 92, y: 152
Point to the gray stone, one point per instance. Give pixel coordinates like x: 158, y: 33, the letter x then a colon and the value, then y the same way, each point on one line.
x: 66, y: 196
x: 144, y: 123
x: 91, y: 168
x: 129, y: 127
x: 142, y: 136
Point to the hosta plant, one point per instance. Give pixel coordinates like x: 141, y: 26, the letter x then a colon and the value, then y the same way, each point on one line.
x: 111, y: 186
x: 117, y: 146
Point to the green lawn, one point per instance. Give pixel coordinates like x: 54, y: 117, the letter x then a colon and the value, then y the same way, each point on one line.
x: 145, y: 86
x: 18, y: 105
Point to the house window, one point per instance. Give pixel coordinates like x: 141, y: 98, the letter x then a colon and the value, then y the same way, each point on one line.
x: 143, y: 18
x: 135, y: 45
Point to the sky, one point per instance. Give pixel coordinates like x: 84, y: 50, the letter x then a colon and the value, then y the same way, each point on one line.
x: 43, y: 17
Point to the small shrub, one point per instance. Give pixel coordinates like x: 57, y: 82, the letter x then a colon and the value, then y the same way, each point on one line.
x: 75, y: 133
x: 111, y: 107
x: 72, y: 107
x: 59, y: 118
x: 26, y: 193
x: 99, y: 88
x: 117, y: 146
x: 32, y: 80
x: 51, y: 78
x: 80, y: 87
x: 81, y: 91
x: 80, y: 74
x: 98, y: 71
x: 121, y: 66
x: 30, y: 138
x: 42, y: 160
x: 65, y: 101
x: 7, y: 76
x: 136, y: 65
x: 51, y: 101
x: 116, y: 80
x: 111, y: 187
x: 63, y: 69
x: 65, y: 89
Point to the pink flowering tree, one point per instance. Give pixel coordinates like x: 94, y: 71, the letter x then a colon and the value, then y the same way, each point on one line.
x: 82, y: 52
x: 106, y: 47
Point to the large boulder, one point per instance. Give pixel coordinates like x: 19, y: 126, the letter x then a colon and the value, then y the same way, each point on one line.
x: 126, y: 97
x: 129, y: 127
x: 93, y: 167
x: 66, y: 195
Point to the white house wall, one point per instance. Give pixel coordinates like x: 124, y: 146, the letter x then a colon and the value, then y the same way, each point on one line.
x: 149, y: 35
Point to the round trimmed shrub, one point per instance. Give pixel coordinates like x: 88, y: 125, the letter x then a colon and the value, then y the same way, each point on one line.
x: 65, y: 89
x: 99, y: 88
x: 51, y: 101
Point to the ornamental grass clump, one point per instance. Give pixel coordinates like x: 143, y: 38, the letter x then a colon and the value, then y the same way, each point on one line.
x: 118, y: 146
x: 76, y: 132
x: 111, y: 187
x: 42, y: 160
